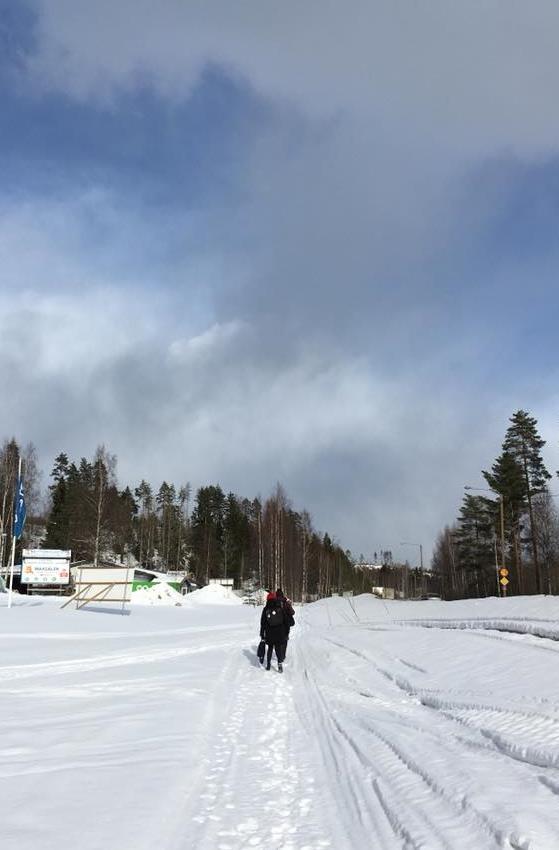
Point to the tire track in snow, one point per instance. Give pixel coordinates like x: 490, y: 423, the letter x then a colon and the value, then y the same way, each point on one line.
x: 102, y: 636
x: 348, y: 776
x: 525, y: 640
x: 459, y: 705
x: 102, y: 662
x: 530, y: 628
x: 420, y: 813
x: 465, y: 808
x: 496, y: 723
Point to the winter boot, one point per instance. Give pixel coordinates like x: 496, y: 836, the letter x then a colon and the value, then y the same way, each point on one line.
x: 280, y: 667
x: 268, y: 666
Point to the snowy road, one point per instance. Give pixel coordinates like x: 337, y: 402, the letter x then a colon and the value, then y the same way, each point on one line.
x: 407, y: 725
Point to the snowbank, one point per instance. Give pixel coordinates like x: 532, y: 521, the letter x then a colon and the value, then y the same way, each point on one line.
x: 213, y: 594
x: 537, y: 615
x: 158, y: 593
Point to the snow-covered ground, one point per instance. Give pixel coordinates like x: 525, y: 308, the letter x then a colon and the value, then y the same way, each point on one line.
x: 395, y: 725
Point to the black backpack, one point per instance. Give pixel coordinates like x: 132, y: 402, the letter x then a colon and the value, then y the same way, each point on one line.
x: 274, y: 616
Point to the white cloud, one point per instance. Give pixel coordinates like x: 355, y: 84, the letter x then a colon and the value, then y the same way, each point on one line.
x: 205, y: 344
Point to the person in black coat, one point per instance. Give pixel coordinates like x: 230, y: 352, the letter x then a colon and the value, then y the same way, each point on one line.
x: 273, y: 630
x: 289, y: 614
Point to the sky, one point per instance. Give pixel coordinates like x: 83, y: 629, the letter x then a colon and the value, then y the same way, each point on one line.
x: 318, y: 243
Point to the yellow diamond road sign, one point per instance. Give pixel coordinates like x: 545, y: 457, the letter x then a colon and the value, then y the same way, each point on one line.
x: 504, y: 581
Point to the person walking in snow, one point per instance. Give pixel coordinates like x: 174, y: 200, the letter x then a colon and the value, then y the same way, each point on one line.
x: 273, y: 630
x: 289, y: 614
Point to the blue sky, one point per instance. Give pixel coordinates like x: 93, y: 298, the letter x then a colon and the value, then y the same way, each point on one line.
x: 249, y: 243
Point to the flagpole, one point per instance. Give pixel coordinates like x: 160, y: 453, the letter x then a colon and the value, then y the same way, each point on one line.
x: 14, y: 543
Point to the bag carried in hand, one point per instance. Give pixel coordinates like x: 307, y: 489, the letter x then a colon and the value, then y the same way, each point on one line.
x: 274, y: 616
x: 261, y: 650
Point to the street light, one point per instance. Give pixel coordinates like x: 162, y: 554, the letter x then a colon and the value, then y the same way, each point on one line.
x: 502, y: 512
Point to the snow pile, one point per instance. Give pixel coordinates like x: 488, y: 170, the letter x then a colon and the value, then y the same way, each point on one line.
x: 158, y: 593
x: 214, y: 594
x: 537, y: 615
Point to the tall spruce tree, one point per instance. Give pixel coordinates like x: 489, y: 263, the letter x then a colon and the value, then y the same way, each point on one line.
x: 506, y: 478
x: 235, y: 538
x: 207, y: 532
x: 58, y: 523
x: 524, y: 443
x: 475, y: 538
x: 168, y: 516
x: 146, y: 523
x: 122, y: 521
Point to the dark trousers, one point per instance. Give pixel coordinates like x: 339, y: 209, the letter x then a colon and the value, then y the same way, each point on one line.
x: 280, y: 652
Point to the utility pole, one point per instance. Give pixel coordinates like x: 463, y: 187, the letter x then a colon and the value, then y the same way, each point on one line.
x: 15, y: 532
x: 2, y: 545
x: 503, y: 567
x: 420, y: 547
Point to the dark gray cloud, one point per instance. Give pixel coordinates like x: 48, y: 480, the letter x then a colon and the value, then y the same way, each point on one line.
x: 347, y: 308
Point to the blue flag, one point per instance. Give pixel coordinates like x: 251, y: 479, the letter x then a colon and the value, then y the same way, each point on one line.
x: 19, y: 510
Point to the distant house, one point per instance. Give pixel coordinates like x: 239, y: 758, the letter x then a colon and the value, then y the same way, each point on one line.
x: 386, y: 592
x: 384, y: 580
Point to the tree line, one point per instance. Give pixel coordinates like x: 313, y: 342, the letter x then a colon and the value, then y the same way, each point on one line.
x: 511, y: 522
x: 211, y: 534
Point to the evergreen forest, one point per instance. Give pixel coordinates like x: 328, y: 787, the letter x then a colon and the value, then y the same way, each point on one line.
x: 209, y: 534
x: 505, y: 540
x: 507, y: 528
